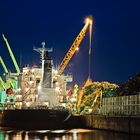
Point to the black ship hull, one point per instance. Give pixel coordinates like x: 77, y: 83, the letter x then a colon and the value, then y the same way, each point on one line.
x: 34, y: 119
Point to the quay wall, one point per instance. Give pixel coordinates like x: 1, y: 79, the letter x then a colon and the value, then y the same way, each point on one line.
x: 127, y: 124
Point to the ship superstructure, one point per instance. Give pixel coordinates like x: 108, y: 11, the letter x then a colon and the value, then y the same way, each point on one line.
x: 42, y: 86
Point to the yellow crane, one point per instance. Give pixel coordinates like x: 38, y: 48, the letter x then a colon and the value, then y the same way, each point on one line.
x: 75, y: 45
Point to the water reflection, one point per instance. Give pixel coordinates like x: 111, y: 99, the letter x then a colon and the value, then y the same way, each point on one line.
x: 74, y: 134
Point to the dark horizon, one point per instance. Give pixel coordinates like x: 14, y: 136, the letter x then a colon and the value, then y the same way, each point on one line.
x: 115, y: 40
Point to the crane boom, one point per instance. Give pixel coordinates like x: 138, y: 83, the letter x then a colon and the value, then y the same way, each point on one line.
x: 74, y: 47
x: 2, y: 83
x: 3, y: 64
x: 11, y: 54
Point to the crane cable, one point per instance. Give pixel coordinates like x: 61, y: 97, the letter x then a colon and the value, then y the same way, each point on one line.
x: 90, y: 44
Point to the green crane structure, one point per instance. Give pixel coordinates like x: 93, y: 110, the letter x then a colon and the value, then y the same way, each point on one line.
x: 3, y: 65
x: 2, y: 84
x: 12, y: 81
x: 11, y: 54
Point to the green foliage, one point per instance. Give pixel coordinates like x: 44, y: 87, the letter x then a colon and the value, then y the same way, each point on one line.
x: 131, y: 87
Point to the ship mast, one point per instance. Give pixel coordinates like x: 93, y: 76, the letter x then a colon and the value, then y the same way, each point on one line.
x: 46, y: 65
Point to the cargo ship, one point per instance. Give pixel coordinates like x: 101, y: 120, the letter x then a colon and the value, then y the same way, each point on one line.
x: 36, y: 97
x: 39, y: 101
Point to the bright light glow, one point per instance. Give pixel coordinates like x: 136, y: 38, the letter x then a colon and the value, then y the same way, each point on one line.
x: 19, y: 89
x: 36, y: 96
x: 75, y: 136
x: 77, y: 49
x: 30, y: 82
x: 42, y: 131
x: 64, y: 104
x: 56, y: 72
x: 56, y: 83
x: 57, y: 88
x: 46, y: 103
x: 26, y: 136
x: 39, y: 87
x: 80, y: 130
x: 18, y: 96
x: 58, y: 131
x: 33, y: 70
x: 90, y: 110
x: 26, y: 89
x: 87, y: 20
x: 73, y: 100
x: 90, y: 21
x: 27, y: 104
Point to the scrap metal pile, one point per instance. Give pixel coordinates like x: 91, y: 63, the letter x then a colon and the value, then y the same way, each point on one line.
x: 90, y: 96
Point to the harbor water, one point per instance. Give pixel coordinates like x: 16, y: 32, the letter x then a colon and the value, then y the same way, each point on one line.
x: 73, y: 134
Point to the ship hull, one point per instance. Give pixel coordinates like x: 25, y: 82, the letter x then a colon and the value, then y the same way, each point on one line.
x: 34, y: 119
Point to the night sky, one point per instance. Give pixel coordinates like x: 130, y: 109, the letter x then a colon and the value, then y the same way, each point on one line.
x: 115, y: 40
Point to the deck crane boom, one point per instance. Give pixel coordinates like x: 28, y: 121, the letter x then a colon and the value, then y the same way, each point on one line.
x: 3, y: 65
x: 74, y: 46
x: 2, y: 83
x: 11, y: 54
